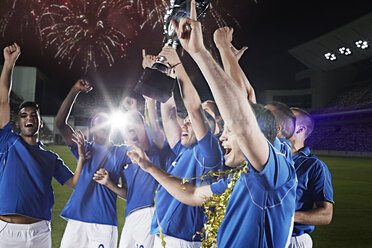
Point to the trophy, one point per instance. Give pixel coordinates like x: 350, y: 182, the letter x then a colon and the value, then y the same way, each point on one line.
x: 155, y: 82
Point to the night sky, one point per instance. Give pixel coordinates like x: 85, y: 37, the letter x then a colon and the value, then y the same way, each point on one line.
x: 269, y: 28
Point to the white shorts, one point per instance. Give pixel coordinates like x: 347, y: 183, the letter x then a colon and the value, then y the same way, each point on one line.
x: 172, y: 242
x: 83, y: 234
x: 302, y: 241
x: 36, y: 235
x: 136, y: 230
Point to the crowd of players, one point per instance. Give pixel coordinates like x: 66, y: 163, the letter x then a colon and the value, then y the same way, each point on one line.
x: 277, y: 194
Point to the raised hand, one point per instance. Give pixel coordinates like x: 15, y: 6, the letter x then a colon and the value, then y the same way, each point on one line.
x: 102, y: 176
x: 223, y: 37
x: 171, y: 55
x: 78, y: 138
x: 130, y: 103
x: 138, y: 156
x: 189, y: 32
x: 83, y: 86
x: 238, y: 53
x: 11, y: 54
x: 147, y: 59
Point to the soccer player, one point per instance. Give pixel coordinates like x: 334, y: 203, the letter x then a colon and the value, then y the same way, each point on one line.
x: 261, y: 206
x: 91, y: 209
x: 26, y: 172
x: 314, y: 184
x: 140, y: 186
x: 197, y: 152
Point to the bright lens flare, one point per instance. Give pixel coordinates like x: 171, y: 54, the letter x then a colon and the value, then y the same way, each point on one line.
x: 117, y: 119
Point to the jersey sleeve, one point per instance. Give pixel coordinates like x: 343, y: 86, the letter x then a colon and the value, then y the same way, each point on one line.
x: 61, y: 173
x: 276, y: 171
x: 210, y: 151
x: 220, y: 186
x: 320, y: 183
x: 5, y: 134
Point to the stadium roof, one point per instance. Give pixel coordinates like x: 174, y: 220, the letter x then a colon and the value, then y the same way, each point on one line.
x: 346, y: 45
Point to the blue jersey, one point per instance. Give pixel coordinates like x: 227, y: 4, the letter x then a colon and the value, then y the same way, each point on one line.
x: 26, y: 173
x: 261, y: 207
x: 90, y: 201
x: 141, y: 185
x: 314, y: 185
x: 284, y: 146
x: 177, y: 219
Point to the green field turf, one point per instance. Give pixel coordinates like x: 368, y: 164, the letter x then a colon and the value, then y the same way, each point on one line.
x: 352, y: 219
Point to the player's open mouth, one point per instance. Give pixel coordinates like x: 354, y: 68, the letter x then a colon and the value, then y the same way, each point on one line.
x: 29, y: 125
x: 184, y: 134
x: 227, y: 151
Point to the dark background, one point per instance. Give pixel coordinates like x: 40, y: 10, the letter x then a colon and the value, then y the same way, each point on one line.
x: 268, y: 27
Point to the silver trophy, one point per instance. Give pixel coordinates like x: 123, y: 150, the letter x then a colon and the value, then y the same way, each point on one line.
x: 155, y: 82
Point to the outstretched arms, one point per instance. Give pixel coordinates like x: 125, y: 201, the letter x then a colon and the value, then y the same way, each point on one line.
x: 231, y: 101
x: 11, y: 54
x: 188, y: 194
x: 172, y: 128
x: 65, y: 110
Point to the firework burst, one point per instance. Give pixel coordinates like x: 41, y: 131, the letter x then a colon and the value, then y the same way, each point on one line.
x: 84, y: 30
x: 21, y: 14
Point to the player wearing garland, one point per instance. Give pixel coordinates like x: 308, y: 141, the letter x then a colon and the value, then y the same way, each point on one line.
x: 27, y: 170
x: 91, y: 209
x: 261, y: 206
x: 314, y: 184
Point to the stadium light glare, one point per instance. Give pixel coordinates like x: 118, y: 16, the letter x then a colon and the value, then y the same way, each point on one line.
x: 117, y: 119
x: 362, y: 44
x: 344, y: 50
x: 330, y: 56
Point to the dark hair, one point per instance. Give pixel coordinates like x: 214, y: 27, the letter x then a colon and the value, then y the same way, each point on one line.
x: 31, y: 104
x: 285, y: 118
x: 266, y: 121
x: 305, y: 119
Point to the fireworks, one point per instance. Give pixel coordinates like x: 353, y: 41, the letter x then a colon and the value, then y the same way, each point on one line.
x: 84, y: 30
x: 20, y: 13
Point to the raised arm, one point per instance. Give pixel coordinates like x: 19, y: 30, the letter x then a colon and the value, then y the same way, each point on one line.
x: 231, y: 101
x: 78, y: 138
x: 64, y: 111
x: 152, y: 119
x: 11, y: 54
x: 230, y: 60
x: 172, y: 128
x: 186, y: 193
x: 189, y: 94
x: 102, y: 176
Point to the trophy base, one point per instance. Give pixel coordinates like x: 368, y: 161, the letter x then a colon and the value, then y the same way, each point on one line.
x: 155, y: 85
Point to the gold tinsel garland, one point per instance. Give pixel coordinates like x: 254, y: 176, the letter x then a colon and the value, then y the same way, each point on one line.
x: 215, y: 208
x: 218, y: 202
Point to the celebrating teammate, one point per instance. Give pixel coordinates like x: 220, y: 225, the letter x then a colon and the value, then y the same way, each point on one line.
x: 261, y: 206
x: 27, y: 170
x: 140, y: 186
x: 314, y: 184
x: 91, y: 209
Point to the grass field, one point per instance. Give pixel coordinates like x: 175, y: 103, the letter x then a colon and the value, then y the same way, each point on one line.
x: 352, y: 219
